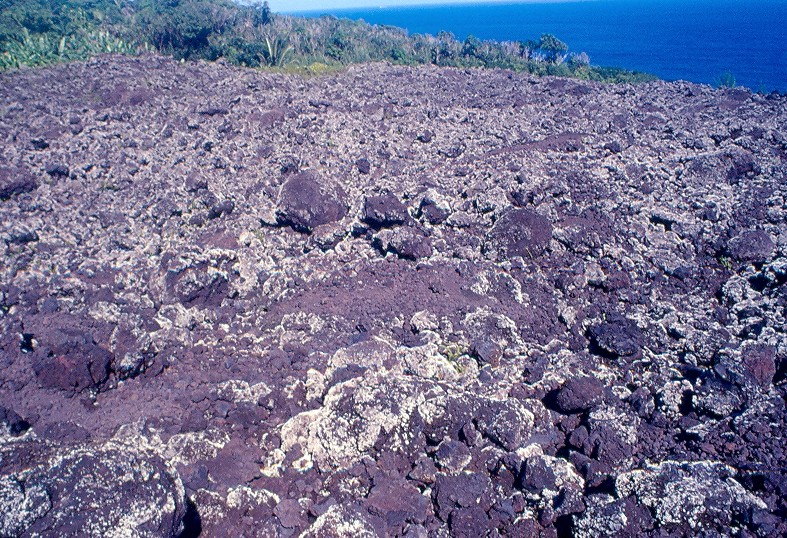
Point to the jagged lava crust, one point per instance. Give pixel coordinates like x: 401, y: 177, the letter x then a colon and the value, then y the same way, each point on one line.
x: 389, y: 302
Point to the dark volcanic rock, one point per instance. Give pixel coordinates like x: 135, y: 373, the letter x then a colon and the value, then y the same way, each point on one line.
x: 469, y: 521
x: 363, y: 165
x: 433, y: 211
x: 384, y: 211
x: 407, y: 243
x: 754, y: 246
x: 617, y: 337
x: 201, y: 285
x: 11, y: 423
x: 579, y: 394
x: 15, y: 181
x: 520, y: 232
x: 397, y: 501
x: 306, y: 202
x: 70, y: 360
x: 88, y: 491
x: 461, y: 491
x: 57, y: 170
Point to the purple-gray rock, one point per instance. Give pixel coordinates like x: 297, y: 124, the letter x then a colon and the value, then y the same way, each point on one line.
x: 88, y: 490
x: 384, y: 211
x: 70, y: 360
x: 566, y: 318
x: 579, y: 394
x: 15, y: 181
x: 617, y: 337
x: 754, y: 246
x: 305, y: 202
x: 11, y: 423
x: 520, y: 232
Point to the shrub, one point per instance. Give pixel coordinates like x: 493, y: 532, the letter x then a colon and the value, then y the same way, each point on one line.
x: 276, y: 51
x: 726, y: 80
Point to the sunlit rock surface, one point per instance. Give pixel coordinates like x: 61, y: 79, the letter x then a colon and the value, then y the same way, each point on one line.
x: 389, y: 302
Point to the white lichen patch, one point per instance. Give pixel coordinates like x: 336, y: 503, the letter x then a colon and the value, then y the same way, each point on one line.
x: 429, y: 363
x: 180, y: 449
x: 189, y: 448
x: 353, y: 416
x: 500, y: 329
x: 273, y: 465
x: 240, y: 391
x: 424, y: 321
x: 110, y: 490
x: 671, y: 396
x: 599, y: 520
x: 687, y: 492
x: 374, y: 354
x: 315, y: 384
x: 103, y: 311
x: 494, y: 280
x: 625, y: 425
x: 339, y: 522
x: 298, y: 327
x: 20, y: 505
x: 566, y: 474
x: 242, y: 496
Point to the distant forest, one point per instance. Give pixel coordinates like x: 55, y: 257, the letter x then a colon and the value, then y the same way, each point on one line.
x: 43, y: 32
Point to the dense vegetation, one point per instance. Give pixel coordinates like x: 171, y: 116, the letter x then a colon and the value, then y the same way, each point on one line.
x: 41, y: 32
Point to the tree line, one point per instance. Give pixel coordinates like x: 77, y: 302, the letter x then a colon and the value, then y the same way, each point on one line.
x: 42, y: 32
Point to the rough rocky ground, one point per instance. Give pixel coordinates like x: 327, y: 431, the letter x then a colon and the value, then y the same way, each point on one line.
x: 389, y: 302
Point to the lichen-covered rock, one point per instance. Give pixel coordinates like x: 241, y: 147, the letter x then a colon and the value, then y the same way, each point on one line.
x: 434, y: 207
x: 90, y: 490
x: 695, y: 496
x: 606, y: 516
x: 339, y: 522
x: 358, y: 414
x: 407, y: 243
x: 554, y: 485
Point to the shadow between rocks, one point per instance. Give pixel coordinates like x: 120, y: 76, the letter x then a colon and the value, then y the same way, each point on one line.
x: 192, y: 523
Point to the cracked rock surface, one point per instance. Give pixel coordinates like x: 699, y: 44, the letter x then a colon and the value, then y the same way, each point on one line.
x: 392, y: 301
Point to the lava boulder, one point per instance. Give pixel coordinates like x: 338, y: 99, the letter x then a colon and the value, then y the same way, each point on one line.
x: 87, y: 490
x: 14, y: 181
x: 520, y: 232
x: 616, y: 337
x: 306, y: 202
x: 384, y: 211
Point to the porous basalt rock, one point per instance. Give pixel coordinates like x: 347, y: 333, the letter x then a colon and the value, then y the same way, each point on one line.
x: 87, y: 490
x: 15, y: 181
x: 617, y: 337
x: 70, y: 360
x: 520, y: 232
x: 384, y: 211
x: 307, y: 201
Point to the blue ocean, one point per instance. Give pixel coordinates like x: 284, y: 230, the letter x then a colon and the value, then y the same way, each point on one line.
x: 695, y: 40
